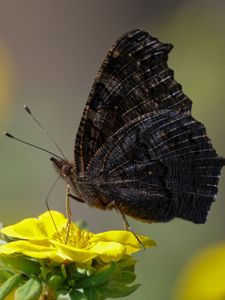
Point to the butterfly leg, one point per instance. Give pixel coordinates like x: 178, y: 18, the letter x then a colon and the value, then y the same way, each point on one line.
x: 68, y: 212
x: 129, y: 228
x: 126, y: 224
x: 76, y: 198
x: 47, y: 204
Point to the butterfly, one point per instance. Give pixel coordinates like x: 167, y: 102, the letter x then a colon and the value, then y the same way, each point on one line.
x: 138, y: 149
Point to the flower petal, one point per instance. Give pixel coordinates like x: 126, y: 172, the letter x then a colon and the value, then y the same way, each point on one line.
x: 71, y: 253
x: 36, y: 229
x: 32, y: 249
x: 47, y: 221
x: 109, y: 251
x: 126, y: 238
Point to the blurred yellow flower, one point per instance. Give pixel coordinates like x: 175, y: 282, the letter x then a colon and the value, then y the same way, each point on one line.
x: 39, y: 239
x: 204, y: 276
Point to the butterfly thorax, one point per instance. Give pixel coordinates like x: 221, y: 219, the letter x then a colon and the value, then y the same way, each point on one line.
x: 80, y: 186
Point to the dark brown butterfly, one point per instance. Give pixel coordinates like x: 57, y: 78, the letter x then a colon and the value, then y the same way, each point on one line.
x: 138, y: 149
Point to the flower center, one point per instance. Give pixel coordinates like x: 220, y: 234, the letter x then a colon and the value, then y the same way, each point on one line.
x: 73, y: 236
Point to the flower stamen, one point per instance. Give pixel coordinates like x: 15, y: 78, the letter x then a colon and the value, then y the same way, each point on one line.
x: 75, y: 237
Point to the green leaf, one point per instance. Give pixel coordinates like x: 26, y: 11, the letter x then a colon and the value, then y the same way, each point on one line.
x: 124, y: 277
x: 9, y: 285
x: 76, y: 295
x: 98, y: 278
x: 20, y: 263
x: 56, y: 282
x: 127, y: 263
x: 4, y: 275
x: 63, y: 270
x: 59, y: 297
x: 72, y: 273
x: 116, y: 290
x: 31, y: 290
x: 92, y: 294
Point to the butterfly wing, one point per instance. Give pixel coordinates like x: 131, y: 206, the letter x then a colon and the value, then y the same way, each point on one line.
x: 158, y: 167
x: 138, y: 145
x: 134, y: 79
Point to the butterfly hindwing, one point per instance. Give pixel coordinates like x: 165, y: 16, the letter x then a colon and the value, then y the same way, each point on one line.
x: 157, y: 167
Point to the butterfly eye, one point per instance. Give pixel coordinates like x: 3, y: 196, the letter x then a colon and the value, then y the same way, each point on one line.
x: 66, y: 170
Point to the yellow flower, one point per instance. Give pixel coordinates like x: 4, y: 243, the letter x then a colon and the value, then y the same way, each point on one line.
x: 204, y: 276
x: 62, y: 258
x: 39, y: 239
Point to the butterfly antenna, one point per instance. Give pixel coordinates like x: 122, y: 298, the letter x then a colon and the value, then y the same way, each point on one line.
x: 44, y: 129
x: 32, y: 145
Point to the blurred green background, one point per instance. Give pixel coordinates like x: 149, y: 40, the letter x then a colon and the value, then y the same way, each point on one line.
x: 50, y: 51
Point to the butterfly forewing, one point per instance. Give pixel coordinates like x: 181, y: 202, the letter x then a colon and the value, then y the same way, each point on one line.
x: 133, y: 80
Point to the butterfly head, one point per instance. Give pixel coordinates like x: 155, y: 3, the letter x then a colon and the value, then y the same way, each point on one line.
x: 63, y: 167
